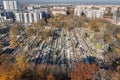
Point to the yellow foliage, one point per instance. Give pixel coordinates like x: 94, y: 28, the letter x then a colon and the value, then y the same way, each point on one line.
x: 12, y: 71
x: 21, y: 44
x: 94, y: 54
x: 93, y: 25
x: 108, y: 38
x: 20, y: 61
x: 90, y: 27
x: 9, y: 72
x: 12, y: 42
x: 117, y: 49
x: 118, y: 35
x: 116, y: 76
x: 30, y: 30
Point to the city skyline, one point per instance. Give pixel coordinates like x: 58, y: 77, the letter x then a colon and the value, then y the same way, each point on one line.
x: 69, y: 1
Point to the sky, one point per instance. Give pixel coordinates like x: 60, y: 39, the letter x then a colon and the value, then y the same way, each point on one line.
x: 70, y: 1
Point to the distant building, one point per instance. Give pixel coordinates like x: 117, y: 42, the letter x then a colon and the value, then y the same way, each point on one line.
x: 6, y: 17
x: 114, y: 9
x: 10, y: 5
x: 59, y: 10
x: 1, y: 18
x: 25, y: 17
x: 116, y: 16
x: 1, y: 7
x: 78, y: 11
x: 93, y: 13
x: 18, y: 17
x: 28, y: 16
x: 29, y: 7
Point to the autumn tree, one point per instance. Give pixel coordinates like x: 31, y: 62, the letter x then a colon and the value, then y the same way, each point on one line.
x: 118, y: 35
x: 1, y: 46
x: 41, y: 23
x: 41, y: 71
x: 110, y: 74
x: 20, y: 61
x: 9, y: 70
x: 72, y: 22
x: 83, y: 71
x: 50, y: 77
x: 93, y: 25
x: 14, y: 31
x: 30, y: 31
x: 107, y: 38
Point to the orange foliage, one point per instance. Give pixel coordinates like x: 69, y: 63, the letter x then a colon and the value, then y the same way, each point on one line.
x: 83, y: 71
x: 20, y: 62
x: 40, y: 70
x: 10, y: 70
x: 12, y: 42
x: 50, y: 77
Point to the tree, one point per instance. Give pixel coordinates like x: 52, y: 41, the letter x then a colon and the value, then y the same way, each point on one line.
x: 30, y: 31
x: 118, y: 35
x: 107, y: 38
x: 50, y: 77
x: 14, y: 31
x: 10, y: 70
x: 1, y: 46
x: 12, y: 42
x: 41, y: 71
x: 41, y: 23
x: 93, y: 25
x: 20, y: 61
x: 83, y: 71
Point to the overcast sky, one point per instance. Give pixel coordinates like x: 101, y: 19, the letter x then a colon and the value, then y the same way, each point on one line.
x: 71, y: 1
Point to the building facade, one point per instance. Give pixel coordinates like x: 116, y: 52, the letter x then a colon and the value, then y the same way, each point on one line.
x: 28, y: 16
x: 78, y: 11
x: 93, y: 13
x: 6, y: 17
x: 116, y: 16
x: 59, y: 11
x: 10, y: 4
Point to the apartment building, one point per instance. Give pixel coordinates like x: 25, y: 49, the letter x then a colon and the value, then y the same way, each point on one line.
x: 10, y: 4
x: 59, y: 11
x: 116, y: 16
x: 94, y: 13
x: 89, y: 12
x: 29, y: 16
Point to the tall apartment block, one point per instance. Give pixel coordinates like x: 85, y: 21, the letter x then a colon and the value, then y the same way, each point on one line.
x: 10, y: 4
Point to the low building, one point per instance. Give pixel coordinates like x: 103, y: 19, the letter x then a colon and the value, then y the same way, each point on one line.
x: 114, y: 9
x: 59, y: 11
x: 6, y: 17
x: 1, y: 20
x: 78, y: 11
x: 93, y: 13
x: 29, y: 7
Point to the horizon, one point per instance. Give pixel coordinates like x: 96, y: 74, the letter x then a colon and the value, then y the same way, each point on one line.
x: 94, y: 2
